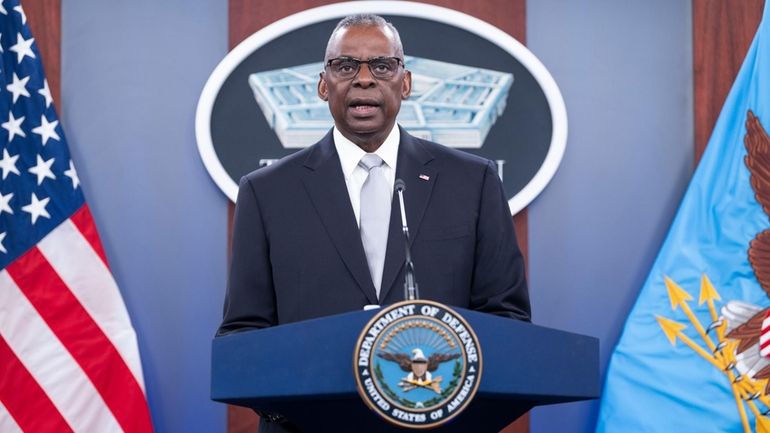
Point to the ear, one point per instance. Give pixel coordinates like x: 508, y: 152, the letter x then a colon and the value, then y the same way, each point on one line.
x: 406, y: 85
x: 323, y: 91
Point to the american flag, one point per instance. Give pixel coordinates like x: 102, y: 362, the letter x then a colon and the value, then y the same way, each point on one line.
x: 69, y: 360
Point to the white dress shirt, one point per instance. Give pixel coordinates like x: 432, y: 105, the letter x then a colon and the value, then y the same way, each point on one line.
x: 355, y: 176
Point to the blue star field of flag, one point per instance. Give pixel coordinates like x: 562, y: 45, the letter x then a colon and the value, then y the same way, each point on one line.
x: 39, y: 187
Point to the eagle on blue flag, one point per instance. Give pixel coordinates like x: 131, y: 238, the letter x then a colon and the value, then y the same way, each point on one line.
x: 749, y: 323
x: 694, y: 354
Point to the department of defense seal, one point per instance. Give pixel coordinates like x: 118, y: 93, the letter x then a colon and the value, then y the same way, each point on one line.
x: 417, y: 364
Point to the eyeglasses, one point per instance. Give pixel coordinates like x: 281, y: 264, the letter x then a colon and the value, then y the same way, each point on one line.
x: 381, y: 68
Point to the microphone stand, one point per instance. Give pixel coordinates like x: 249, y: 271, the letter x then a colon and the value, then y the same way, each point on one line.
x: 411, y: 290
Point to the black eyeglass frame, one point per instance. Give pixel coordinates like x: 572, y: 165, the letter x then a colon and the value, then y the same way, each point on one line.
x: 358, y: 62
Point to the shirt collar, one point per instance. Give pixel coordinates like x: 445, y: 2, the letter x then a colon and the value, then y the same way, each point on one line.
x: 350, y: 154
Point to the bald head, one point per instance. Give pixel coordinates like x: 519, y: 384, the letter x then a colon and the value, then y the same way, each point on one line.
x: 365, y: 20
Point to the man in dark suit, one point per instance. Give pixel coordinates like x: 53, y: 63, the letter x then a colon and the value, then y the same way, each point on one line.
x: 297, y: 248
x: 301, y: 242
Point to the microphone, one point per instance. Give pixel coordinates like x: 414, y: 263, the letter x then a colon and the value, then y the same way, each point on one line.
x: 411, y: 291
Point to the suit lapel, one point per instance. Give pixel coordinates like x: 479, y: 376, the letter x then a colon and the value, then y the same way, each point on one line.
x: 419, y: 178
x: 325, y: 184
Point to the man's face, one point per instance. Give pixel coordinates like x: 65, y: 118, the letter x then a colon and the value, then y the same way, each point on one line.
x: 364, y: 108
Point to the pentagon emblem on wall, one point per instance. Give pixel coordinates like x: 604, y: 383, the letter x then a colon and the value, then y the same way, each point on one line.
x: 417, y: 364
x: 489, y: 96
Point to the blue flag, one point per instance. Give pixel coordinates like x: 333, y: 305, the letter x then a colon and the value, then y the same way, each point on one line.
x: 693, y: 355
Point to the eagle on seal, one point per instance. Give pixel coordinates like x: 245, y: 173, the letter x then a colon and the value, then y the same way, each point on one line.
x: 419, y: 368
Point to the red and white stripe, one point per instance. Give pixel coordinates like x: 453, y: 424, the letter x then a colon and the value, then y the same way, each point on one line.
x: 7, y: 424
x: 68, y: 353
x: 764, y: 336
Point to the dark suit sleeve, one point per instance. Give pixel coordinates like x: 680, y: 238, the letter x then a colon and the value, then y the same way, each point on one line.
x: 499, y: 283
x: 250, y: 297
